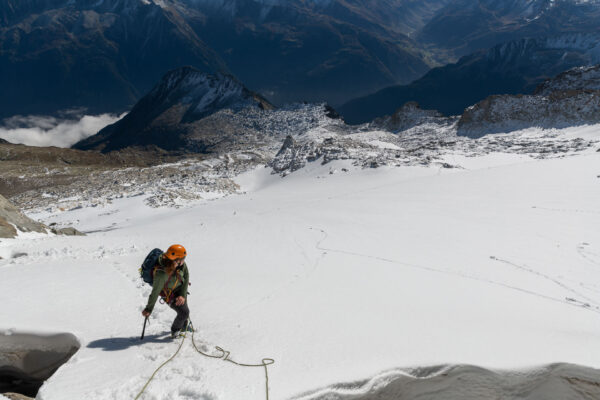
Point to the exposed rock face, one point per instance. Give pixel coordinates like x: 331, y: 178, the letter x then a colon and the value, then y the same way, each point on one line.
x: 69, y: 231
x: 16, y: 396
x: 570, y: 99
x: 408, y: 116
x: 583, y: 78
x: 293, y: 156
x: 11, y: 217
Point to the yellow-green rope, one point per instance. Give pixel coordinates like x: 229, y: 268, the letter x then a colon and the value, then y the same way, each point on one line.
x: 224, y: 356
x: 157, y: 369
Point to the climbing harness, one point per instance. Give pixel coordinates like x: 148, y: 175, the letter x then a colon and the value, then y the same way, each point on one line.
x: 265, y: 362
x: 167, y: 291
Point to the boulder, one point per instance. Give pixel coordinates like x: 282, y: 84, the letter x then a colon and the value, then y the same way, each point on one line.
x: 12, y: 221
x: 69, y: 231
x: 11, y: 218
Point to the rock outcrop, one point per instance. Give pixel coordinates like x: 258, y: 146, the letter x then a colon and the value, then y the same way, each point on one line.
x: 570, y: 99
x: 583, y: 78
x: 408, y: 116
x: 11, y: 220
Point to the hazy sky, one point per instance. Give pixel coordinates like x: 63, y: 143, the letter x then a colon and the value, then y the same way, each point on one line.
x: 35, y: 130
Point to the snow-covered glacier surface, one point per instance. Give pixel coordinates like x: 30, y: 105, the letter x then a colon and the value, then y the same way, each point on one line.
x: 354, y: 280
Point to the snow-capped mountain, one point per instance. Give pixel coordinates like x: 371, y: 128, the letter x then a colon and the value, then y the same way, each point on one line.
x: 163, y: 116
x: 190, y: 111
x: 508, y: 68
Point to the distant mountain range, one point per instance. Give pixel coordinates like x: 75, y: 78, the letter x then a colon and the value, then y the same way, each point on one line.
x: 99, y: 55
x: 315, y: 50
x: 510, y: 68
x: 103, y: 55
x: 465, y: 26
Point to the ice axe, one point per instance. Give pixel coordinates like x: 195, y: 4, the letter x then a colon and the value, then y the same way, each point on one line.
x: 144, y: 330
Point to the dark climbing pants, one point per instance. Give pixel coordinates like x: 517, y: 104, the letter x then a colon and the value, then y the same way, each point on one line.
x: 183, y: 312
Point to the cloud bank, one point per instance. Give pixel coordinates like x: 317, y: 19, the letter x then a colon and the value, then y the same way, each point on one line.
x: 36, y: 130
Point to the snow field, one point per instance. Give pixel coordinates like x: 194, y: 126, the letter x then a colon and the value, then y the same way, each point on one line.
x: 337, y: 277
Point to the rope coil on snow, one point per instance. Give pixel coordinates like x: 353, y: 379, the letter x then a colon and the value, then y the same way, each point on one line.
x: 265, y: 362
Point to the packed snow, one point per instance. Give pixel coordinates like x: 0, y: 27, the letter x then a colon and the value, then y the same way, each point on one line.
x: 355, y: 281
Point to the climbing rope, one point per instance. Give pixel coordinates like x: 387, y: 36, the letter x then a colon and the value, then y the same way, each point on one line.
x: 157, y: 369
x: 224, y: 355
x: 265, y: 362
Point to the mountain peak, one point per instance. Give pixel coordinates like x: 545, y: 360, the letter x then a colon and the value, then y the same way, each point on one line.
x: 182, y: 97
x: 579, y: 78
x: 200, y: 93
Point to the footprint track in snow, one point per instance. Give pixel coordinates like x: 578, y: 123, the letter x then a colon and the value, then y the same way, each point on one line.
x: 569, y: 301
x: 583, y: 249
x: 532, y: 271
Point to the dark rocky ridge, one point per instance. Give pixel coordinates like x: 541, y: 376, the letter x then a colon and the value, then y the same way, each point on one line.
x: 409, y: 116
x: 584, y: 78
x: 99, y: 55
x: 572, y: 98
x: 511, y: 68
x: 173, y: 115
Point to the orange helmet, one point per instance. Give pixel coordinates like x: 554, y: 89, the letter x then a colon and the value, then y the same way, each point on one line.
x: 175, y: 251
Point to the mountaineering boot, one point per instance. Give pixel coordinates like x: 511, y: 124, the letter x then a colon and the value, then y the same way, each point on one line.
x: 187, y: 327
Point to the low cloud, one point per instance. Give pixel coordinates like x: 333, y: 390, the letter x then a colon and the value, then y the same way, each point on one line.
x: 36, y: 130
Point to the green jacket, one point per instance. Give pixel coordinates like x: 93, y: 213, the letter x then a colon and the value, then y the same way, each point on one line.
x: 163, y: 284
